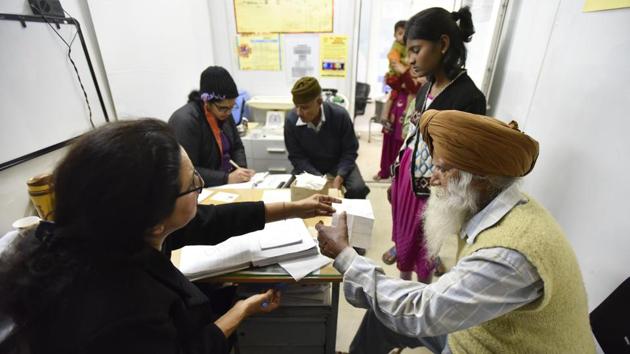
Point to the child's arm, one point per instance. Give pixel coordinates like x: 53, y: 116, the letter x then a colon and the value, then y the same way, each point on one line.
x: 394, y: 56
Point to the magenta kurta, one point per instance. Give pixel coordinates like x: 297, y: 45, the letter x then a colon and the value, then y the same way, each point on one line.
x: 393, y: 140
x: 407, y: 232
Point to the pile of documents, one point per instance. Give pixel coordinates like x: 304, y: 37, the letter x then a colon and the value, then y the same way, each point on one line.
x: 295, y: 294
x: 260, y: 180
x: 360, y: 220
x: 279, y: 242
x: 309, y: 181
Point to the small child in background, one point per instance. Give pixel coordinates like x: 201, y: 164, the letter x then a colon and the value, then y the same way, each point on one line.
x: 397, y: 66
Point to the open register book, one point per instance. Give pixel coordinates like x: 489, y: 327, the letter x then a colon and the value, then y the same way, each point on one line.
x: 277, y: 242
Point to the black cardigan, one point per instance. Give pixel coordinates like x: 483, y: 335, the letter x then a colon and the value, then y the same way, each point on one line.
x: 332, y: 150
x: 462, y: 95
x: 194, y: 134
x: 146, y: 305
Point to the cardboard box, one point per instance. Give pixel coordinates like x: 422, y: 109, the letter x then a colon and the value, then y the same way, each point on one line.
x: 299, y: 193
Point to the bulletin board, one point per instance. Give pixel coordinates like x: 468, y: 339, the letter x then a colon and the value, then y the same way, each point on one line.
x: 283, y: 16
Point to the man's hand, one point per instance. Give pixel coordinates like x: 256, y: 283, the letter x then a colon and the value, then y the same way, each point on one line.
x: 315, y: 205
x: 337, y: 182
x: 241, y: 175
x: 333, y: 239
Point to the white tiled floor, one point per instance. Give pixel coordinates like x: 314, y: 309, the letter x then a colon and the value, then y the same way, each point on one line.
x: 368, y: 161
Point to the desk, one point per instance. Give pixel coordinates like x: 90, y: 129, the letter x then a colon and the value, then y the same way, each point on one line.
x: 294, y: 329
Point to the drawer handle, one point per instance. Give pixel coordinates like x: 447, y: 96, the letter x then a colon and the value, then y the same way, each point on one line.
x: 277, y: 169
x: 276, y: 150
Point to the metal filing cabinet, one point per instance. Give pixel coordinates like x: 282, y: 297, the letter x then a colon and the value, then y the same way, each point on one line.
x: 286, y: 330
x: 305, y: 322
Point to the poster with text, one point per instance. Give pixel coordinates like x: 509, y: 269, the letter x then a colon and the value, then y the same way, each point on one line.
x: 333, y: 53
x: 259, y: 52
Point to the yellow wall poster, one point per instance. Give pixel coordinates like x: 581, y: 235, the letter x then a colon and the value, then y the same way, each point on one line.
x: 259, y: 52
x: 333, y: 53
x: 599, y: 5
x: 283, y: 16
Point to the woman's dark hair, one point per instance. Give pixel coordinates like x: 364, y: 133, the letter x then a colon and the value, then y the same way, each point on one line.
x: 400, y: 24
x: 113, y: 186
x: 434, y: 22
x: 217, y: 83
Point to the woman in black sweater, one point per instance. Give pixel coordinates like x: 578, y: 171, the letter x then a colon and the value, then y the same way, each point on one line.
x: 98, y: 281
x: 435, y: 40
x: 205, y: 128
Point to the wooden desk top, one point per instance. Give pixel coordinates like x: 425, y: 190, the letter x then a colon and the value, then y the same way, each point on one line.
x: 328, y: 274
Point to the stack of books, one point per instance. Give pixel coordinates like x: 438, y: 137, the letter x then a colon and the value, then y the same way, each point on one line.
x: 279, y: 241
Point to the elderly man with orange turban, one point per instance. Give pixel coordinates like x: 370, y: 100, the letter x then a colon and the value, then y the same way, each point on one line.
x: 516, y: 286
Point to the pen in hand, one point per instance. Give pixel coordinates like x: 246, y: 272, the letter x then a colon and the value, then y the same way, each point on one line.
x: 277, y: 288
x: 234, y: 164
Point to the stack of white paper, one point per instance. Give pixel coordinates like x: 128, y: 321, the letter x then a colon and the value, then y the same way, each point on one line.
x: 280, y: 241
x: 309, y: 181
x: 360, y: 218
x: 276, y: 195
x: 296, y: 294
x: 288, y: 230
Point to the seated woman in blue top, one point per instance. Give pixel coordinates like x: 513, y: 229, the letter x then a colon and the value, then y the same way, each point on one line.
x: 98, y: 279
x: 205, y: 128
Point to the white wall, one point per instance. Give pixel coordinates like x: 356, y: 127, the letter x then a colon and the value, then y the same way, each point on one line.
x: 563, y: 75
x: 14, y: 202
x: 154, y: 52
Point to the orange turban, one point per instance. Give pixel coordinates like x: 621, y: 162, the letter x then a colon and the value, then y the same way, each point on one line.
x: 481, y: 145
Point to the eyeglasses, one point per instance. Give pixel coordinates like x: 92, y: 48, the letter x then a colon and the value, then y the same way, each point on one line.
x: 224, y: 109
x: 197, y: 184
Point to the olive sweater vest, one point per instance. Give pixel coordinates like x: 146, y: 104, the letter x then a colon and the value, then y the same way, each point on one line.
x: 558, y: 321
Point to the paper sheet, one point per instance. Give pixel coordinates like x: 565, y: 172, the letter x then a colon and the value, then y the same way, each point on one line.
x: 279, y: 234
x: 224, y: 197
x: 292, y: 227
x: 259, y: 52
x: 300, y: 268
x: 263, y: 16
x: 205, y: 193
x: 276, y: 195
x: 230, y: 255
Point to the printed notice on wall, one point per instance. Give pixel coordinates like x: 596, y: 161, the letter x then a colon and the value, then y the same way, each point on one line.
x: 600, y: 5
x: 283, y: 16
x: 333, y: 53
x: 259, y: 52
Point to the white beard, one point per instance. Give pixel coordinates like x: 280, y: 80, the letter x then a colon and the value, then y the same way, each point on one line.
x: 447, y: 210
